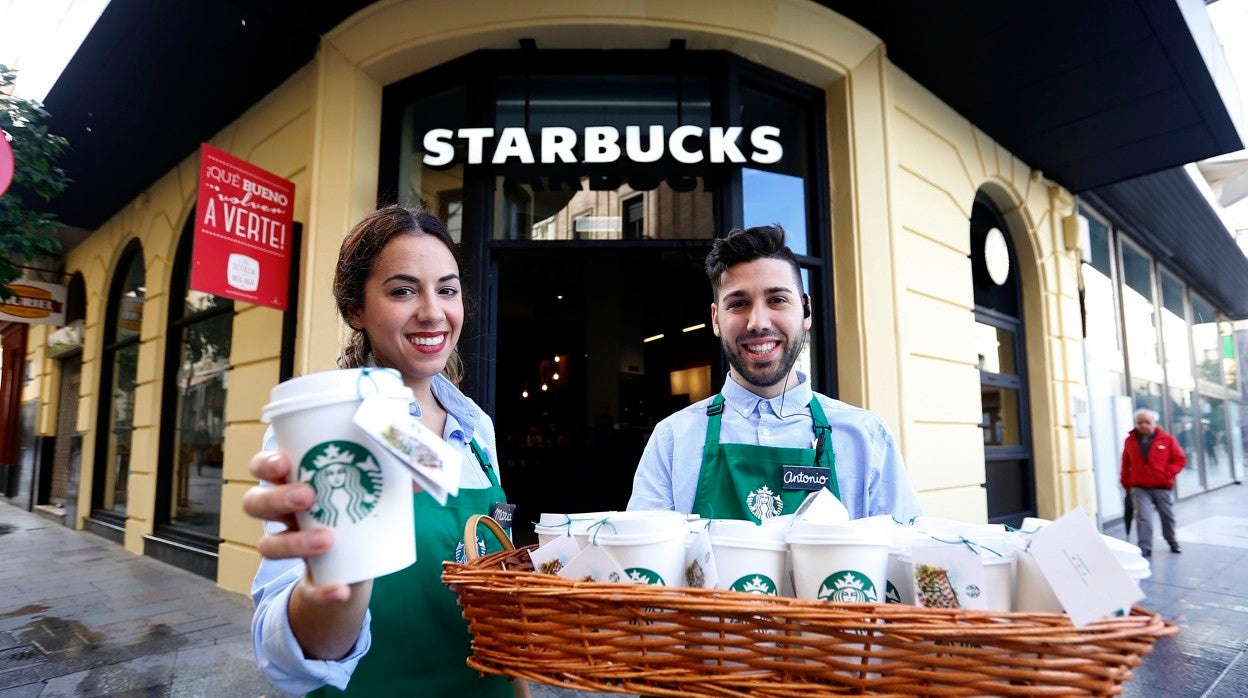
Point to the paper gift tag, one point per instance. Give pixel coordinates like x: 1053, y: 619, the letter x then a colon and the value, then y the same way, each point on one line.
x: 1083, y: 572
x: 821, y: 506
x: 700, y: 570
x: 435, y: 465
x: 946, y: 576
x: 555, y: 555
x: 594, y: 564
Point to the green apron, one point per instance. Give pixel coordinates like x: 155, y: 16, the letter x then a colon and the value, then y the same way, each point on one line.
x: 420, y: 639
x: 746, y: 481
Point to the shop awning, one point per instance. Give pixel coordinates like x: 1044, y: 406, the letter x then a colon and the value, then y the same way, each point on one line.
x: 1088, y: 92
x: 1169, y: 216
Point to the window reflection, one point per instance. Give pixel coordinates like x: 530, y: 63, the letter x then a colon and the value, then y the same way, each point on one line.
x: 121, y: 359
x: 1146, y: 395
x: 529, y: 210
x: 125, y: 367
x: 995, y: 348
x: 778, y: 194
x: 1206, y: 342
x: 442, y: 189
x: 202, y: 380
x: 1182, y: 426
x: 1174, y: 332
x: 1104, y: 350
x: 1000, y: 418
x: 1139, y: 317
x: 1215, y: 441
x: 1230, y: 362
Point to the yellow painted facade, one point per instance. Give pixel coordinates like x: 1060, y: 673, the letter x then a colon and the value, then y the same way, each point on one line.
x: 904, y: 172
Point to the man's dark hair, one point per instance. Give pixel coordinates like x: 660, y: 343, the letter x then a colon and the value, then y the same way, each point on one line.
x: 760, y: 242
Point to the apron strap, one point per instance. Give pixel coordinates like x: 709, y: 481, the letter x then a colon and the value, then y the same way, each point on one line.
x: 823, y: 433
x: 484, y: 460
x: 714, y: 412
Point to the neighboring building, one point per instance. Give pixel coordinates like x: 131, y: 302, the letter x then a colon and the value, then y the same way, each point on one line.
x: 931, y: 165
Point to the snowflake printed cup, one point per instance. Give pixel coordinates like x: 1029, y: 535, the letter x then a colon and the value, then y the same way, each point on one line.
x: 363, y: 493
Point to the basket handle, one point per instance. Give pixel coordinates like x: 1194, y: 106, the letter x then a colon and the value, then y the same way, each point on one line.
x: 470, y: 533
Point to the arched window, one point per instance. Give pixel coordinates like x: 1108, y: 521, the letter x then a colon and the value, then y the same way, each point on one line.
x: 119, y: 362
x: 189, y: 479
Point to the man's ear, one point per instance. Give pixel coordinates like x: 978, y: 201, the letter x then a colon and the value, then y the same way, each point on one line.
x: 715, y: 319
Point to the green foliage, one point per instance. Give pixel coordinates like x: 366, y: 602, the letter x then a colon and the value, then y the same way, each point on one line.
x: 26, y: 233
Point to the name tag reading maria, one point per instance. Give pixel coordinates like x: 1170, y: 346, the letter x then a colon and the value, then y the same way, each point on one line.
x: 805, y: 477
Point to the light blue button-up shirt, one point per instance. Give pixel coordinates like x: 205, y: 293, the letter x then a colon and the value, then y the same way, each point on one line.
x: 869, y: 467
x: 277, y: 650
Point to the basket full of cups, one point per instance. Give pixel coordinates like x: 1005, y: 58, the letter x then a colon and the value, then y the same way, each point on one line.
x: 663, y: 603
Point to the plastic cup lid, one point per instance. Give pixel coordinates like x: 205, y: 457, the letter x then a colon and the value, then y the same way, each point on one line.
x: 331, y: 387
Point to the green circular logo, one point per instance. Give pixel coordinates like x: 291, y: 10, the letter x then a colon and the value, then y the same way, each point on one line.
x: 346, y: 478
x: 848, y: 586
x: 641, y: 575
x: 756, y: 584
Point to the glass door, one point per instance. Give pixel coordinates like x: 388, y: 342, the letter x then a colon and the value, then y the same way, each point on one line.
x: 595, y: 347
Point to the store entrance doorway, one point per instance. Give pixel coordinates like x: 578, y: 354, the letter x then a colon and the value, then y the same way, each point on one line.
x: 595, y: 344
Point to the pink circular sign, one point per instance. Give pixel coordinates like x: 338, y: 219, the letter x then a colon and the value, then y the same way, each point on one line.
x: 6, y: 163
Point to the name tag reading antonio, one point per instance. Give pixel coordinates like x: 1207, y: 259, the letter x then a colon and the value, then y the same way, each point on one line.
x: 805, y: 477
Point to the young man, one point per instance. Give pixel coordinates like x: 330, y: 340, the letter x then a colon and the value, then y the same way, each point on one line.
x: 759, y: 447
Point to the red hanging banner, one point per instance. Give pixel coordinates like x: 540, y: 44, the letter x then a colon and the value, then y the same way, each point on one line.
x: 243, y: 224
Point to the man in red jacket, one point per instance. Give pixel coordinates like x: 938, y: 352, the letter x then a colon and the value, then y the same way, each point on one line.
x: 1150, y: 460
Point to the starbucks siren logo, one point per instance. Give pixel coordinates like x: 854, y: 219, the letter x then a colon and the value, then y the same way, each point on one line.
x: 346, y: 478
x: 891, y: 595
x: 461, y: 553
x: 641, y: 575
x: 764, y: 503
x: 755, y: 584
x: 851, y: 586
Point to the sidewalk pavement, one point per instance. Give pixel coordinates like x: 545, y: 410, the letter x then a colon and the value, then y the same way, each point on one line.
x: 1203, y: 590
x: 80, y: 616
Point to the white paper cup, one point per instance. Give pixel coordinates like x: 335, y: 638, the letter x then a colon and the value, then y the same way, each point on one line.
x: 1032, y: 591
x: 748, y: 557
x: 550, y: 526
x: 649, y: 545
x: 999, y: 583
x: 364, y: 494
x: 839, y: 563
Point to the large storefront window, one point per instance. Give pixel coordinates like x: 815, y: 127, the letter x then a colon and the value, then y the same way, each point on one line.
x: 1206, y: 342
x: 1174, y: 334
x: 1216, y: 444
x: 1182, y: 425
x: 1105, y: 368
x: 778, y: 194
x: 596, y: 198
x: 574, y: 180
x: 200, y: 334
x: 119, y: 367
x: 1139, y: 318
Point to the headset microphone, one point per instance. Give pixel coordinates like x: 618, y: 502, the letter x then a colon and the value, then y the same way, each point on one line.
x: 805, y: 305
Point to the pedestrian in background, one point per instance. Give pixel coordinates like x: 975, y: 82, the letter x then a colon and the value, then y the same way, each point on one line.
x: 1150, y: 460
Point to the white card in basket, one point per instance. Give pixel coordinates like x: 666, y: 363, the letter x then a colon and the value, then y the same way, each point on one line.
x: 434, y: 464
x: 1085, y: 576
x: 593, y: 564
x: 555, y: 555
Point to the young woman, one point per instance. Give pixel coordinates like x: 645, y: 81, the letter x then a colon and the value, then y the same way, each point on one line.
x: 398, y: 288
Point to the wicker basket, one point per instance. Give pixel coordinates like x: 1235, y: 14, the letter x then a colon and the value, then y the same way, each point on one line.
x: 663, y: 641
